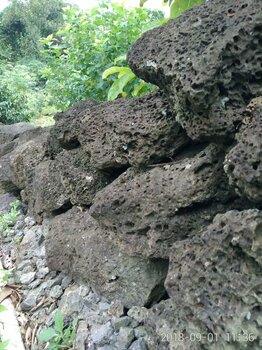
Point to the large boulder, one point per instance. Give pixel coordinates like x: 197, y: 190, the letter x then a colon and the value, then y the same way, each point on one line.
x: 9, y: 133
x: 150, y: 210
x: 124, y: 132
x: 214, y: 284
x: 7, y: 176
x: 243, y: 163
x: 77, y: 246
x: 214, y: 281
x: 17, y: 139
x: 26, y: 156
x: 208, y: 61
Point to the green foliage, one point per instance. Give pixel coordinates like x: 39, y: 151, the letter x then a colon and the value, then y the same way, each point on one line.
x: 4, y: 344
x: 126, y: 83
x: 4, y: 277
x: 24, y: 22
x: 78, y: 55
x: 8, y: 219
x: 59, y: 336
x: 177, y: 7
x: 22, y: 94
x: 2, y: 308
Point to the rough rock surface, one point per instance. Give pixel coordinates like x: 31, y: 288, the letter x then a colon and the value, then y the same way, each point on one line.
x: 26, y: 156
x: 218, y: 274
x: 126, y: 131
x: 89, y: 255
x: 208, y: 61
x: 243, y: 163
x: 5, y: 201
x: 152, y: 205
x: 9, y: 133
x: 127, y: 199
x: 47, y: 192
x: 64, y: 134
x: 214, y: 283
x: 99, y: 321
x: 80, y: 180
x: 13, y: 137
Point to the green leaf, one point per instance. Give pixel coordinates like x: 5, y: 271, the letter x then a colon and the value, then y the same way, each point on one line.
x: 4, y: 344
x: 119, y: 85
x: 138, y: 88
x: 59, y: 323
x: 113, y: 70
x: 47, y: 334
x: 177, y: 7
x: 120, y: 58
x: 3, y: 308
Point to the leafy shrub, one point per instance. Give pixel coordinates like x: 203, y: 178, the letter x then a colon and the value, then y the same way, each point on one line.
x: 24, y: 22
x: 79, y: 54
x: 12, y: 106
x: 22, y: 94
x: 127, y: 83
x: 8, y: 219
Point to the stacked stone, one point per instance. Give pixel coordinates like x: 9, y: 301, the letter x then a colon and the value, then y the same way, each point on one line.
x: 159, y: 196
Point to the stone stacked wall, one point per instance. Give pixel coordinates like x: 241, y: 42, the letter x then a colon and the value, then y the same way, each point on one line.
x: 155, y: 201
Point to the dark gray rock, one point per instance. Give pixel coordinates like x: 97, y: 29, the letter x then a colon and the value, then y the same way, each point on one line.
x: 89, y: 255
x: 7, y: 148
x: 56, y: 292
x: 10, y: 132
x: 214, y: 281
x: 7, y: 176
x: 28, y: 277
x: 125, y: 338
x: 126, y: 131
x: 5, y: 201
x: 208, y: 62
x: 243, y: 163
x: 120, y: 322
x: 100, y: 334
x: 139, y: 344
x: 25, y: 158
x: 64, y: 134
x: 47, y: 190
x: 150, y: 210
x: 72, y: 301
x: 80, y: 180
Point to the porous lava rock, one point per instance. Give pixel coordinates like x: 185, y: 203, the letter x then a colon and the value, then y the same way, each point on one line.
x: 15, y: 155
x: 124, y: 132
x: 47, y: 192
x: 64, y: 134
x: 26, y: 156
x: 243, y: 163
x: 214, y: 281
x: 157, y: 206
x: 88, y: 254
x: 80, y: 180
x: 209, y: 63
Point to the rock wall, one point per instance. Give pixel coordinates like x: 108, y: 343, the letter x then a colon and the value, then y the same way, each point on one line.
x: 155, y: 201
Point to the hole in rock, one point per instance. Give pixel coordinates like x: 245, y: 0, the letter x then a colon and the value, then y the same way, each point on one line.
x: 159, y: 292
x: 114, y: 173
x: 64, y: 208
x: 70, y: 144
